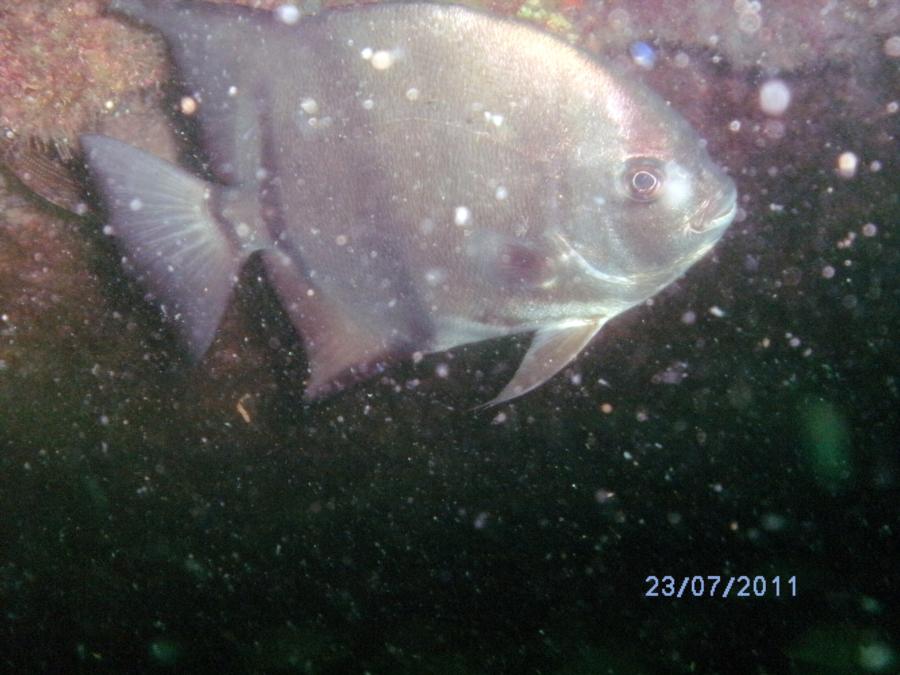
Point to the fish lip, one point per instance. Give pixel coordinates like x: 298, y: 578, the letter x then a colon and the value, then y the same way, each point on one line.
x: 725, y: 208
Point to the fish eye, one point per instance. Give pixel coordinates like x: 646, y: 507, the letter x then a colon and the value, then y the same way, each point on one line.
x: 643, y: 179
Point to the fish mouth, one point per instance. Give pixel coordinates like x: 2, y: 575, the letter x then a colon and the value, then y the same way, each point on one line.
x: 724, y: 209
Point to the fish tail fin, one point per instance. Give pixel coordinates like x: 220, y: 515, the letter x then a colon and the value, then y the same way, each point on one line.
x: 165, y: 220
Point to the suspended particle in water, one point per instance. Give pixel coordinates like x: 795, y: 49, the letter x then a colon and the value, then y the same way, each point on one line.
x: 892, y: 47
x: 382, y: 60
x: 287, y: 14
x: 774, y: 97
x: 847, y: 163
x: 643, y: 55
x: 461, y: 215
x: 188, y: 105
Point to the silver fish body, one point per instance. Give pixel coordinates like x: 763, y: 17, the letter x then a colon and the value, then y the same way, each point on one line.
x: 417, y: 177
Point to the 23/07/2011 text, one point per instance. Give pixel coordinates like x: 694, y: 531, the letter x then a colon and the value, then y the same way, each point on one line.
x: 717, y: 586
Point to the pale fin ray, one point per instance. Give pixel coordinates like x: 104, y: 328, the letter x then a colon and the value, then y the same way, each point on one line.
x: 160, y: 215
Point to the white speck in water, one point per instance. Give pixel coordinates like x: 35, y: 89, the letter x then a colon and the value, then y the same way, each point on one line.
x: 442, y: 370
x: 341, y: 240
x: 893, y: 107
x: 368, y: 104
x: 287, y: 14
x: 734, y: 125
x: 382, y: 60
x: 104, y: 420
x: 717, y: 311
x: 81, y: 208
x: 480, y: 521
x: 847, y: 164
x: 108, y: 230
x: 242, y: 230
x: 497, y: 119
x: 435, y: 276
x: 417, y: 357
x: 135, y: 204
x: 602, y: 496
x: 501, y: 193
x: 309, y: 106
x: 412, y: 94
x: 681, y: 60
x: 366, y: 53
x: 499, y: 419
x: 188, y: 105
x: 774, y: 97
x: 689, y: 318
x: 869, y: 230
x: 892, y: 47
x: 232, y: 90
x: 643, y: 55
x: 462, y: 215
x: 828, y: 272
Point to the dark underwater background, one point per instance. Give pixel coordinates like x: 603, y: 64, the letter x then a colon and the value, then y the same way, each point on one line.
x: 163, y: 516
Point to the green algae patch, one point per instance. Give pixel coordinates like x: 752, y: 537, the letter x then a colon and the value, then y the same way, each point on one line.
x: 826, y: 445
x: 164, y: 652
x: 842, y: 649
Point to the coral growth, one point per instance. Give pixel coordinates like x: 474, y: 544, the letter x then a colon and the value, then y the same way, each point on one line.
x: 63, y: 64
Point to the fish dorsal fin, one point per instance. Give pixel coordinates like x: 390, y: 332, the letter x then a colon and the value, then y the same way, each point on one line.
x: 161, y: 217
x: 550, y: 351
x: 214, y: 47
x: 339, y: 348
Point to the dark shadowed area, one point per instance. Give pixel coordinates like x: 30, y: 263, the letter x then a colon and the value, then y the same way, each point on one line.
x: 158, y: 515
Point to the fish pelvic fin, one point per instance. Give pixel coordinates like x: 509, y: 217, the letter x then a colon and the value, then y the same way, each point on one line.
x: 550, y: 351
x: 166, y: 223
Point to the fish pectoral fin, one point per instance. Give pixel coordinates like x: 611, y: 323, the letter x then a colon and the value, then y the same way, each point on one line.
x: 340, y: 349
x: 549, y: 353
x: 161, y: 216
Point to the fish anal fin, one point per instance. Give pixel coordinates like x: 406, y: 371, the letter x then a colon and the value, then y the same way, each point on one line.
x: 340, y: 349
x: 550, y: 351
